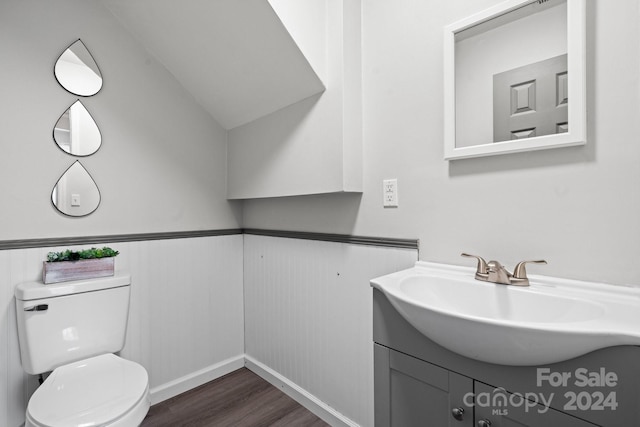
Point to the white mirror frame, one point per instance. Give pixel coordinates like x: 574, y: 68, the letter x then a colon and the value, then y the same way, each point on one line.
x: 576, y: 67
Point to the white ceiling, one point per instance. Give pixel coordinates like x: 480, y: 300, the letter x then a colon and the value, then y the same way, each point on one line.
x: 234, y: 56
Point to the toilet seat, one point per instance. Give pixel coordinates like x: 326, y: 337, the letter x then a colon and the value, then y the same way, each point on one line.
x: 105, y: 390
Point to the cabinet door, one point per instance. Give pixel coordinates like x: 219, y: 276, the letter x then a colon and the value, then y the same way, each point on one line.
x: 497, y: 408
x: 410, y: 392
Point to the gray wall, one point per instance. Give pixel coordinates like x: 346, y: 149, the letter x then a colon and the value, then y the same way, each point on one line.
x: 579, y: 208
x: 162, y: 165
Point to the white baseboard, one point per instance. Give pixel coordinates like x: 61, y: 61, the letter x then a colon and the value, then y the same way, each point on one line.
x: 195, y: 379
x: 210, y: 373
x: 300, y: 395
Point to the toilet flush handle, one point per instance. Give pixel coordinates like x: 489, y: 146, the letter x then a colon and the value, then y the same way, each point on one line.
x: 39, y: 307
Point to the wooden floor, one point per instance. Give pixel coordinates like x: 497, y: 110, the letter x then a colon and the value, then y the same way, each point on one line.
x: 239, y: 399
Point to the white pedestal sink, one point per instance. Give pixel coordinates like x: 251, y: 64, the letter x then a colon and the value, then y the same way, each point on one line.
x: 551, y: 320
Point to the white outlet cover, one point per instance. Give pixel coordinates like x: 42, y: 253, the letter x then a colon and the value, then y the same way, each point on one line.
x: 390, y: 193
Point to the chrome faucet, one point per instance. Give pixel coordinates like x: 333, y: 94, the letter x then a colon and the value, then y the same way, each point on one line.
x: 498, y: 274
x: 495, y: 272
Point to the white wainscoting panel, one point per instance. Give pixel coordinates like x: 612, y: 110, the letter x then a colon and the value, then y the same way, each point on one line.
x: 15, y: 385
x: 186, y: 318
x: 309, y: 315
x: 187, y: 312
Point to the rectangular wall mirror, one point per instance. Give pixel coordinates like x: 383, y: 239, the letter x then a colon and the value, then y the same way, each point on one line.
x: 514, y: 79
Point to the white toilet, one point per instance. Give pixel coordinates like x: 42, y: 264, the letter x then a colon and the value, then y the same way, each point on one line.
x: 73, y: 329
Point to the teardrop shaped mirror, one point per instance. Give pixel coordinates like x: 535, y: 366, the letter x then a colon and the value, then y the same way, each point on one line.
x: 76, y: 193
x: 77, y: 71
x: 76, y: 132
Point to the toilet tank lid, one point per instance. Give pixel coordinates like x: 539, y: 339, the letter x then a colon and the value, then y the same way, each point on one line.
x: 28, y: 291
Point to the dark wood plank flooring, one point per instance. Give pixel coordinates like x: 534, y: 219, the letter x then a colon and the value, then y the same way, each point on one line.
x: 239, y: 399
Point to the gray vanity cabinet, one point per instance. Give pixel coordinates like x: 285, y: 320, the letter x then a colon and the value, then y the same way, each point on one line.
x: 411, y: 392
x: 419, y: 383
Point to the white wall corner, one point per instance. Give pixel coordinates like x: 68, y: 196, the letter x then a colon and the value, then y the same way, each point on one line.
x: 315, y: 145
x: 352, y: 72
x: 306, y: 24
x: 240, y: 61
x: 300, y: 395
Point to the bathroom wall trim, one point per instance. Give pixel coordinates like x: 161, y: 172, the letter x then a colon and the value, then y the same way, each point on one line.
x: 300, y: 395
x: 137, y: 237
x: 338, y: 238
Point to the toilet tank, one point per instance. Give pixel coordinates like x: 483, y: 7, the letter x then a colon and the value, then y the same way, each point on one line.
x: 65, y: 322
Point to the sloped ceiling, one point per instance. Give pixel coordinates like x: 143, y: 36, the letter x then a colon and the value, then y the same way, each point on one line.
x: 234, y: 56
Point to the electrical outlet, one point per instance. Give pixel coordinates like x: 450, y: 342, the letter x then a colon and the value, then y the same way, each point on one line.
x: 390, y: 193
x: 75, y: 200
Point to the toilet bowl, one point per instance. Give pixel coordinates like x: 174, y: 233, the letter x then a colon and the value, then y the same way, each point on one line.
x: 104, y: 390
x: 73, y: 329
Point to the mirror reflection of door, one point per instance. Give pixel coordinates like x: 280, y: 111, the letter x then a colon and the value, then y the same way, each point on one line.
x: 531, y: 100
x: 531, y: 34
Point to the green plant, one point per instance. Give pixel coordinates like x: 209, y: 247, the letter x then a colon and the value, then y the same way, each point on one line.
x: 70, y: 255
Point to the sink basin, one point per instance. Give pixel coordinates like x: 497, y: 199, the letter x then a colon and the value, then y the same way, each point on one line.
x: 550, y: 321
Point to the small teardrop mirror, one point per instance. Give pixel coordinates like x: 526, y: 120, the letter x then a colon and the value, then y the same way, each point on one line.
x: 76, y: 193
x: 77, y: 71
x: 76, y: 132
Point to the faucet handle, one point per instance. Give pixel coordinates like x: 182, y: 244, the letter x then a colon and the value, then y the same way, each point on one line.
x: 520, y: 273
x: 482, y: 270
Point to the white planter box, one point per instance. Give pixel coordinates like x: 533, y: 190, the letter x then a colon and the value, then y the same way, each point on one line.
x: 64, y: 271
